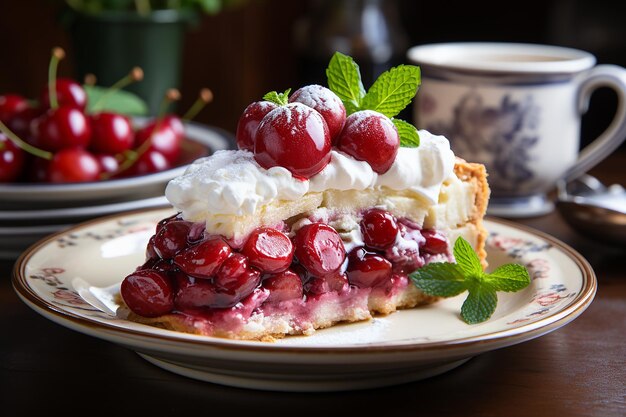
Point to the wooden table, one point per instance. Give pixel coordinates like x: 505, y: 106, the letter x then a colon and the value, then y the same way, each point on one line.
x: 579, y: 370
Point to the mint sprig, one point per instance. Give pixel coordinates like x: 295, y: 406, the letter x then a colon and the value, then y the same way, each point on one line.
x: 280, y: 99
x: 344, y: 79
x: 446, y: 279
x: 393, y: 90
x: 389, y: 94
x: 409, y: 138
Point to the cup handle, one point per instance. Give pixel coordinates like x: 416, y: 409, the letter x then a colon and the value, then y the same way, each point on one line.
x: 614, y: 77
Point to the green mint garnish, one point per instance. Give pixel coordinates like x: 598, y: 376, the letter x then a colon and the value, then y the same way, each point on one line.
x: 393, y: 90
x: 344, y: 79
x: 280, y: 99
x: 409, y: 138
x: 445, y: 279
x: 389, y: 94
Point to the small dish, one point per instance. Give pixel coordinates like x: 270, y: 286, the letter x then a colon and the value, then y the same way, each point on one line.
x: 594, y: 209
x: 200, y: 141
x: 71, y: 278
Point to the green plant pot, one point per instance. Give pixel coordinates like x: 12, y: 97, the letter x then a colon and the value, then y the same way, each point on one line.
x: 109, y: 44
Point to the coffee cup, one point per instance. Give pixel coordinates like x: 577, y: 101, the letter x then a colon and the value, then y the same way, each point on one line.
x: 517, y: 109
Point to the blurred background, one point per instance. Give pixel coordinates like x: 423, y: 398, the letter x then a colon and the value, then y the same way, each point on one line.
x: 243, y: 48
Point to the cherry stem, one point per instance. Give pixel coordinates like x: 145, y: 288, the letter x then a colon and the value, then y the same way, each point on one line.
x: 136, y: 74
x: 205, y: 97
x: 130, y: 157
x: 57, y: 55
x: 24, y: 145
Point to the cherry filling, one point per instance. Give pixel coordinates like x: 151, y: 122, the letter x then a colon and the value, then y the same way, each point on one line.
x: 191, y: 272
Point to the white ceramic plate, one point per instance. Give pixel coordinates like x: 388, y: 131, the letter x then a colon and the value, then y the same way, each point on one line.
x: 199, y: 140
x: 70, y: 278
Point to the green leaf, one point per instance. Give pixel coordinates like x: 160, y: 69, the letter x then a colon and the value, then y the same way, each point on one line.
x: 441, y: 279
x: 409, y: 138
x: 280, y: 99
x: 393, y: 90
x: 466, y: 258
x: 344, y: 79
x: 509, y: 277
x: 479, y: 305
x: 124, y: 102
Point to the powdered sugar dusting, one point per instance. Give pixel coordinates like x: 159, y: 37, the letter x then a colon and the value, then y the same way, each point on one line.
x: 320, y: 98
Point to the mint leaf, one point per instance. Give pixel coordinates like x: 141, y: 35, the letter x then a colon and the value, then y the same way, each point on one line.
x: 393, y: 90
x: 344, y: 79
x: 409, y: 138
x: 441, y: 279
x: 120, y: 101
x: 479, y: 305
x: 466, y: 258
x: 280, y: 99
x: 509, y: 278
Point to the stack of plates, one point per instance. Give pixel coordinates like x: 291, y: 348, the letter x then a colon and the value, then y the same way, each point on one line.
x: 29, y: 212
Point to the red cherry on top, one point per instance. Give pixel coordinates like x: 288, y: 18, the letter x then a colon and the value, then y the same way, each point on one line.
x: 21, y: 124
x: 112, y: 133
x: 295, y: 137
x: 10, y: 105
x: 11, y: 160
x: 249, y: 123
x: 64, y: 127
x: 69, y: 93
x: 73, y: 165
x: 326, y: 103
x: 167, y: 138
x: 370, y: 136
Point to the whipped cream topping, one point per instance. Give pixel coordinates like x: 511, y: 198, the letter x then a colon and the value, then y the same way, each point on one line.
x: 233, y: 183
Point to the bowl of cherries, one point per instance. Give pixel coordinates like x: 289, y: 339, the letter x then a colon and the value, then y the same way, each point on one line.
x: 72, y: 146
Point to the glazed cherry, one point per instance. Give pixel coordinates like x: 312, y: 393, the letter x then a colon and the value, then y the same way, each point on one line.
x: 148, y: 293
x: 294, y: 137
x: 73, y: 165
x: 65, y: 127
x: 166, y: 136
x: 203, y: 259
x: 436, y: 242
x: 149, y: 162
x: 10, y: 105
x: 379, y: 229
x: 322, y: 285
x: 370, y: 136
x: 326, y: 103
x: 171, y: 239
x: 69, y: 93
x: 163, y: 222
x: 235, y: 265
x: 268, y: 249
x: 319, y: 249
x: 11, y: 160
x: 150, y: 252
x: 196, y: 293
x: 108, y: 163
x: 367, y: 269
x: 111, y: 133
x: 249, y: 123
x: 283, y: 286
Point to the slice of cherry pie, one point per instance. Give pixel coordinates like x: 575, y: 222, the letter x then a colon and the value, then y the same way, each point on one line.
x: 302, y: 227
